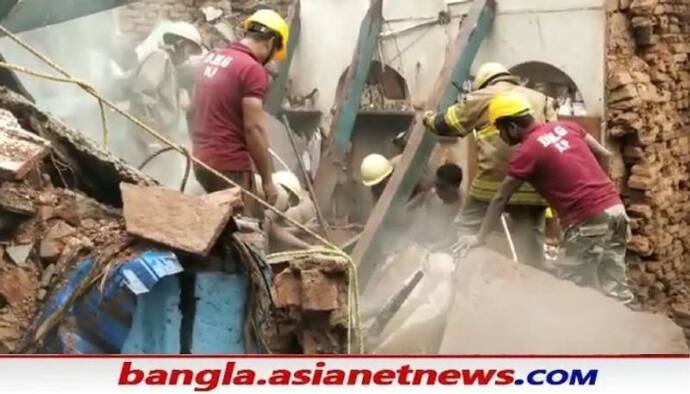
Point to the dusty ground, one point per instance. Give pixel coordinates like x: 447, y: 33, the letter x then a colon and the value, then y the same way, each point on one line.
x: 503, y: 307
x: 500, y: 307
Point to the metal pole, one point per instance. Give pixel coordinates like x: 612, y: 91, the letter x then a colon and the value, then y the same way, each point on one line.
x: 504, y: 222
x: 307, y: 180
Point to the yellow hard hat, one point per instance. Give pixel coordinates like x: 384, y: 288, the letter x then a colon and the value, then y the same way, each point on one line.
x: 508, y: 104
x: 488, y: 71
x: 288, y: 180
x: 275, y: 23
x: 374, y: 169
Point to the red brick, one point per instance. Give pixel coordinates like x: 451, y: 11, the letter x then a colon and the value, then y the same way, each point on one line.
x: 319, y: 293
x: 287, y: 290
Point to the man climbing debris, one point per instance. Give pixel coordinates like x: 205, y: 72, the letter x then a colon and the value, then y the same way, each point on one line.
x: 526, y: 206
x: 156, y: 96
x: 564, y: 164
x: 294, y: 202
x: 229, y: 131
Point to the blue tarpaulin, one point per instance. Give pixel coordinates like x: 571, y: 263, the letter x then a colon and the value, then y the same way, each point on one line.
x: 100, y: 321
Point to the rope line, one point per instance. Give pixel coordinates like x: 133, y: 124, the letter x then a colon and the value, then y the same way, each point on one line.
x: 330, y: 248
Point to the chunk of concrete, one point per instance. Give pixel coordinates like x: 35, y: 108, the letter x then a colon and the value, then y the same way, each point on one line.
x: 174, y: 219
x: 19, y: 253
x: 52, y: 243
x: 20, y: 151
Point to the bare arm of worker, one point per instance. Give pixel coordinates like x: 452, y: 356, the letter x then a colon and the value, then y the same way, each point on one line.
x: 255, y: 135
x: 602, y: 154
x: 279, y: 233
x: 509, y: 186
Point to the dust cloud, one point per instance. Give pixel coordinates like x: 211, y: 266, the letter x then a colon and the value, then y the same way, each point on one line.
x: 91, y: 49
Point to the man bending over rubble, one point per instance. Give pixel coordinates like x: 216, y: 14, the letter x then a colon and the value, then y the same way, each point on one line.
x: 229, y: 131
x: 564, y: 164
x: 295, y: 203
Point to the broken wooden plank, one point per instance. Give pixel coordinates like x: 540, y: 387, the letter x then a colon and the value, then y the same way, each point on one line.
x: 456, y: 69
x: 169, y: 217
x: 279, y: 86
x: 347, y: 105
x: 20, y: 150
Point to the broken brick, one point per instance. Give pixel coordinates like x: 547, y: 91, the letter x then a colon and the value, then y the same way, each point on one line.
x: 287, y: 290
x: 54, y: 241
x: 319, y: 293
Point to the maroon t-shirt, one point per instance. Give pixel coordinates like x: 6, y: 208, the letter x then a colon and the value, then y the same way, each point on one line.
x: 228, y: 75
x: 555, y: 159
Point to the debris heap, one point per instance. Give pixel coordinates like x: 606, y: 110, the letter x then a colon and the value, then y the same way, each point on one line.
x: 649, y: 102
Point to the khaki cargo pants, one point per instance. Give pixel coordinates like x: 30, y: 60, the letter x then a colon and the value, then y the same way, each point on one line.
x: 593, y: 254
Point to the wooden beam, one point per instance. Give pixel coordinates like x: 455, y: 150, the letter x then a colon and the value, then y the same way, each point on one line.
x: 347, y: 105
x: 456, y: 68
x: 275, y: 96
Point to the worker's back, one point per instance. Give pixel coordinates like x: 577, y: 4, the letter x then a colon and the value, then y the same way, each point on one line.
x: 228, y: 76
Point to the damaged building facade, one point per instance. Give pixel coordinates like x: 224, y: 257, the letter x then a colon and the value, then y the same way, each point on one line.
x: 624, y: 77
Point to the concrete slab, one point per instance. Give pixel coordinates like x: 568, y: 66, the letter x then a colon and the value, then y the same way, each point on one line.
x: 174, y: 219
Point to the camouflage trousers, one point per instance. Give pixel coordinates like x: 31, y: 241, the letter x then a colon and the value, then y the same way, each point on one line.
x: 594, y: 254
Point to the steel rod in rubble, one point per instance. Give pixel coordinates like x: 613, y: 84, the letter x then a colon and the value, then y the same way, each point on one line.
x: 307, y: 179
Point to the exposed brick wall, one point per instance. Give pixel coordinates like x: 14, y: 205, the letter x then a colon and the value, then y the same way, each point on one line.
x: 649, y: 124
x: 138, y: 19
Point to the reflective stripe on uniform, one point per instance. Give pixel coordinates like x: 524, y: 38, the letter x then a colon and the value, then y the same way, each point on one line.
x: 486, y: 190
x: 453, y: 121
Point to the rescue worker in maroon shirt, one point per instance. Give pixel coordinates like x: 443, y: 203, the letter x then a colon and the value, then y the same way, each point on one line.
x: 229, y: 131
x: 565, y: 165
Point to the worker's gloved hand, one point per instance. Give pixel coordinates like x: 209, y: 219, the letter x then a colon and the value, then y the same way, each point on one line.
x: 270, y: 192
x: 465, y: 244
x: 428, y: 119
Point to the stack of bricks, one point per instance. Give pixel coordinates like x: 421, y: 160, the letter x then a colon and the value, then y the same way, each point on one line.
x: 139, y: 18
x: 649, y: 126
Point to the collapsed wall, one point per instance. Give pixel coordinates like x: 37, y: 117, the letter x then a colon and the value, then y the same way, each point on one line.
x: 649, y: 125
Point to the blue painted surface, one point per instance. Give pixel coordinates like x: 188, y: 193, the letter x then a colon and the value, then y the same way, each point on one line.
x: 157, y: 321
x: 220, y: 309
x: 366, y: 47
x: 100, y: 321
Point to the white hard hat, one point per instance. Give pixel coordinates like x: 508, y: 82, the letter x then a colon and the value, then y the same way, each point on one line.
x: 186, y: 31
x: 374, y: 169
x: 288, y: 180
x: 487, y: 72
x: 283, y: 200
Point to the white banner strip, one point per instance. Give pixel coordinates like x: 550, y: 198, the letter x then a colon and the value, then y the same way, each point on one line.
x: 304, y: 375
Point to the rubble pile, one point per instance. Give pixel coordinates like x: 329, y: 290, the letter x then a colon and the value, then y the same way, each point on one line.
x: 57, y: 229
x: 649, y: 122
x: 60, y: 211
x: 311, y: 300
